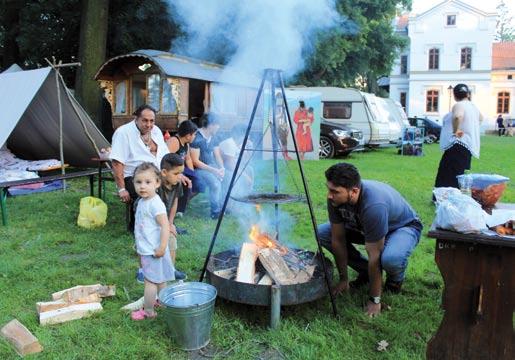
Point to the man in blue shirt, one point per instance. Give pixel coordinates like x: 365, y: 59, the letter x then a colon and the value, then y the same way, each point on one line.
x: 376, y: 215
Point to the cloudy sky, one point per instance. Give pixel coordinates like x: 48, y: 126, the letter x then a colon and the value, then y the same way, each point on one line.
x: 420, y: 6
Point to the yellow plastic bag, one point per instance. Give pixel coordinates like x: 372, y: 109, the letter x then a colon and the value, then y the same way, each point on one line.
x: 92, y: 213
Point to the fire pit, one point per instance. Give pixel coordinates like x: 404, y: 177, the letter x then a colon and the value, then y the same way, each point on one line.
x: 221, y: 271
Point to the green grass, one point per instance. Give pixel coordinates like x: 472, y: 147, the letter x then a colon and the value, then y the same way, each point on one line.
x: 43, y: 250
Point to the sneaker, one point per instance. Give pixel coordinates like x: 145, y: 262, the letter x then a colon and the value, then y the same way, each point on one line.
x: 179, y: 275
x: 360, y: 281
x: 140, y: 277
x: 180, y: 231
x: 393, y: 286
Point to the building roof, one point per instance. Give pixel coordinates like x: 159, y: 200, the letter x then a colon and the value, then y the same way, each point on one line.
x: 503, y: 56
x: 401, y: 22
x: 458, y: 3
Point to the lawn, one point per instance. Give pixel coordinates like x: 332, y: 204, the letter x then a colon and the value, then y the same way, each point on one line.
x: 43, y: 251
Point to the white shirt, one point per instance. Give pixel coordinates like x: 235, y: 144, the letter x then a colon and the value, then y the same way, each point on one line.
x: 447, y: 137
x: 146, y: 229
x: 129, y: 149
x: 228, y: 147
x: 469, y: 125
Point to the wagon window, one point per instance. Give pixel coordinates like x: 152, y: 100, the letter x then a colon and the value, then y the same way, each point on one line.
x: 337, y: 110
x: 120, y: 98
x: 154, y: 88
x: 169, y: 100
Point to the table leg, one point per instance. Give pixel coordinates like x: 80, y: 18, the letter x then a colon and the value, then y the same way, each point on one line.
x: 91, y: 180
x: 3, y: 205
x: 100, y: 180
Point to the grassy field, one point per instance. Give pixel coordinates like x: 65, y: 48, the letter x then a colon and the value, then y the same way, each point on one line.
x: 43, y: 250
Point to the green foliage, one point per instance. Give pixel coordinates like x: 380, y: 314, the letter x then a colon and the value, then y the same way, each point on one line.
x: 363, y: 48
x: 43, y: 250
x: 505, y: 24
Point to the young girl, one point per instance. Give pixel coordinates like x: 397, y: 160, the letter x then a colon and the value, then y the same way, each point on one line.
x: 151, y: 231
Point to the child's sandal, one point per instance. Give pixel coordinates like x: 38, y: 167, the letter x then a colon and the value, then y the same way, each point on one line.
x: 140, y: 314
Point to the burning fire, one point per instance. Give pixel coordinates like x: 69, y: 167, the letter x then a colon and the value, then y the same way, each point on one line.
x: 264, y: 240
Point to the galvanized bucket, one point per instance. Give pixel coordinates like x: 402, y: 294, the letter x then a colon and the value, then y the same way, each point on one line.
x: 188, y: 311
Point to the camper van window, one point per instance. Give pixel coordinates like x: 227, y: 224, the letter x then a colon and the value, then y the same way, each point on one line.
x: 154, y: 90
x: 169, y: 101
x: 337, y: 110
x: 139, y: 91
x: 121, y: 98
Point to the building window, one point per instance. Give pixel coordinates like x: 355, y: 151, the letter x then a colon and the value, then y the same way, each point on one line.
x: 120, y: 98
x: 434, y: 55
x: 451, y: 20
x: 466, y: 58
x: 337, y: 110
x: 503, y: 102
x: 169, y: 102
x: 402, y: 100
x: 404, y: 64
x: 432, y: 101
x: 510, y: 77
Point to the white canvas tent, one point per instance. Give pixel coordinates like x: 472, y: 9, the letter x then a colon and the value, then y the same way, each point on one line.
x: 29, y: 119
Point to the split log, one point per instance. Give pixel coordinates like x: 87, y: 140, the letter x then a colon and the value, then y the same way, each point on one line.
x: 136, y: 305
x: 265, y: 280
x: 81, y: 291
x: 61, y: 303
x: 247, y: 263
x: 276, y: 267
x: 225, y: 273
x: 304, y: 275
x: 21, y: 338
x: 72, y: 312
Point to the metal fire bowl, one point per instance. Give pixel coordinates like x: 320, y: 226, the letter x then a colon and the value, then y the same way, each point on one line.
x: 254, y: 294
x: 269, y: 198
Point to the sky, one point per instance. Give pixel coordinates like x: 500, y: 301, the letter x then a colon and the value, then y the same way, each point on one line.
x: 420, y: 6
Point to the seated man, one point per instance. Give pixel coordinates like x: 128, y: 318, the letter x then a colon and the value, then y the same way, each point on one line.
x: 208, y: 163
x: 376, y: 215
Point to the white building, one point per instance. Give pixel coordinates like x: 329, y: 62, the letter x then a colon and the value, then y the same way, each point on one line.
x: 453, y: 43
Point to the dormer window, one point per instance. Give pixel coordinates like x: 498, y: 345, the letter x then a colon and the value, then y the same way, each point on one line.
x: 451, y: 20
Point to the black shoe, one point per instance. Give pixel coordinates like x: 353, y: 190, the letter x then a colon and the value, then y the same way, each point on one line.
x: 393, y: 286
x: 360, y: 281
x: 179, y: 275
x: 180, y: 231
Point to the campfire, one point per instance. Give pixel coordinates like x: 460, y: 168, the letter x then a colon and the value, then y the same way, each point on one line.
x: 265, y: 261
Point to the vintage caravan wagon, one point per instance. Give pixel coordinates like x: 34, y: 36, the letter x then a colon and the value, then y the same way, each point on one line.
x: 178, y: 87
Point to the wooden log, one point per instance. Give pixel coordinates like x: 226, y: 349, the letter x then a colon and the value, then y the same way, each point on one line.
x: 61, y: 303
x: 304, y: 275
x: 247, y: 263
x: 82, y: 291
x: 265, y: 280
x: 72, y: 312
x: 21, y: 338
x: 276, y: 267
x: 136, y: 305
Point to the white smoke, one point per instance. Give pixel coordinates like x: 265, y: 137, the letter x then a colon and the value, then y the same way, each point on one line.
x: 258, y: 34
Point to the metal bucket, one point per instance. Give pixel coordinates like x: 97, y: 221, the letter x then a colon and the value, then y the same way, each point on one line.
x: 188, y: 311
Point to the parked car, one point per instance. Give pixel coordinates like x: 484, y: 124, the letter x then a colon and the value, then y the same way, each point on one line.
x: 432, y: 129
x: 338, y: 139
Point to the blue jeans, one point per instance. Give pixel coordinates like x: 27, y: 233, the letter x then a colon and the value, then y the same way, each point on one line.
x: 398, y: 246
x: 214, y: 185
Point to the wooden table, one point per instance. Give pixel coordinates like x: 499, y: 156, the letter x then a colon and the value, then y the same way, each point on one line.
x: 478, y: 297
x: 102, y: 164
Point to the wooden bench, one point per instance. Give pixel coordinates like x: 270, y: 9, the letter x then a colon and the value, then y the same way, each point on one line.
x: 91, y: 173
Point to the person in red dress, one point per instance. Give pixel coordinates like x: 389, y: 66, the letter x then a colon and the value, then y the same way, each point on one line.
x: 303, y: 133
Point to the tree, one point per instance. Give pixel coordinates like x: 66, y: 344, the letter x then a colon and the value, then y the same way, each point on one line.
x: 362, y: 50
x: 505, y: 29
x: 92, y: 52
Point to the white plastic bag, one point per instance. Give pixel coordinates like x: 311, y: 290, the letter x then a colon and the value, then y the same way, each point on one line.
x: 458, y: 212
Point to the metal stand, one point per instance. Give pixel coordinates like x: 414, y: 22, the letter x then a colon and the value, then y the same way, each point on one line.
x: 275, y: 77
x: 275, y: 306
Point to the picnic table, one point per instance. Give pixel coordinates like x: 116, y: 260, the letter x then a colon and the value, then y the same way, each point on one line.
x: 91, y: 173
x: 478, y: 297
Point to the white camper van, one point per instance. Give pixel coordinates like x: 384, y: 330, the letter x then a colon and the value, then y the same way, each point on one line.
x: 355, y: 109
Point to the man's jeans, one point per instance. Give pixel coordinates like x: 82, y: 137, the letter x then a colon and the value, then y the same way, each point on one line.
x: 215, y: 188
x: 399, y: 245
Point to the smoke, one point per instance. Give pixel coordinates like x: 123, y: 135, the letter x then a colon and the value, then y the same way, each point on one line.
x: 252, y: 35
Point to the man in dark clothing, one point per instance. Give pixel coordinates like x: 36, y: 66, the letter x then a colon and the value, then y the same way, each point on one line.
x: 500, y: 125
x: 376, y: 215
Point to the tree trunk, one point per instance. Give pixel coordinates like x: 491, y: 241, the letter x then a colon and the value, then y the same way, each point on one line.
x: 92, y: 51
x: 11, y: 19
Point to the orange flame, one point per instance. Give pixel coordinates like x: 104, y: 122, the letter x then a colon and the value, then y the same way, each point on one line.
x: 264, y: 240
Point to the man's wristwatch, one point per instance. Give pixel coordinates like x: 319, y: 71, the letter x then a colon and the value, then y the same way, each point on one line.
x: 375, y: 299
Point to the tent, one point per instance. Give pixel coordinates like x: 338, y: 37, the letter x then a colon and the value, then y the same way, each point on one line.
x: 29, y: 120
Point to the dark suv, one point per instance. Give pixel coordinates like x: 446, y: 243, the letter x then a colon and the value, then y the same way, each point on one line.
x: 338, y: 139
x: 432, y: 129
